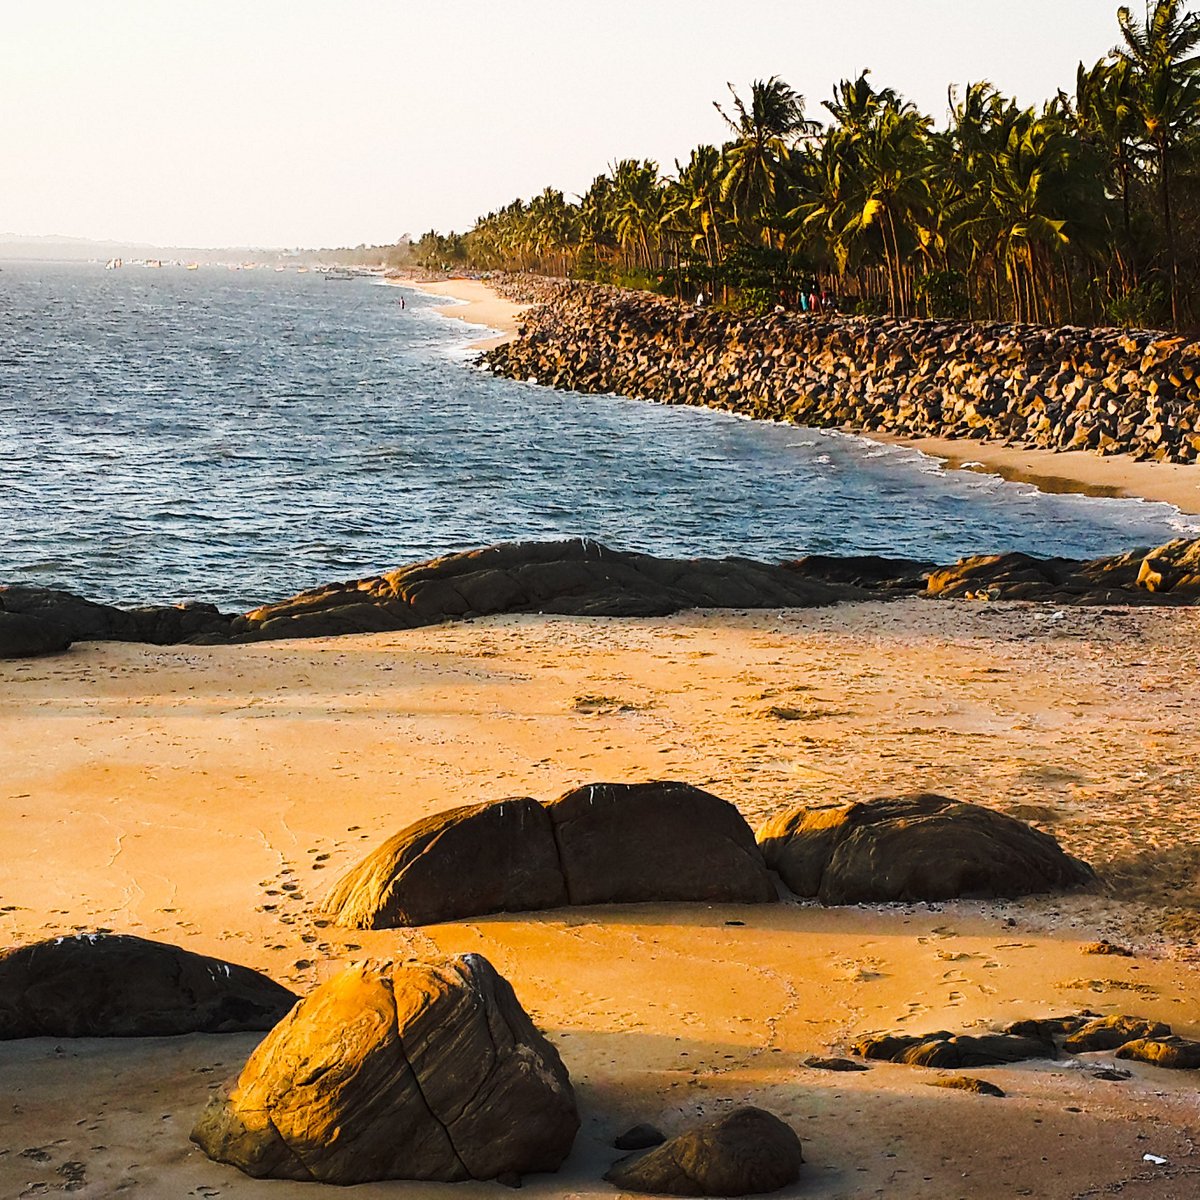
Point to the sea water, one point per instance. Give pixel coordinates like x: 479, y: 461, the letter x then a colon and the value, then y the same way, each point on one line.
x: 237, y: 436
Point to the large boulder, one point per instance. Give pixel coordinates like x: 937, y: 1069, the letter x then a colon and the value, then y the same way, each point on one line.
x: 416, y: 1070
x: 117, y: 985
x: 466, y: 862
x: 24, y: 636
x: 607, y: 843
x: 623, y: 843
x: 921, y: 847
x: 745, y: 1153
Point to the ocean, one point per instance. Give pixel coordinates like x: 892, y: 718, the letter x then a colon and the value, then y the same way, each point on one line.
x: 237, y: 436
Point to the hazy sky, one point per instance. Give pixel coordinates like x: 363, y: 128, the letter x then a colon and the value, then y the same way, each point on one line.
x: 333, y: 122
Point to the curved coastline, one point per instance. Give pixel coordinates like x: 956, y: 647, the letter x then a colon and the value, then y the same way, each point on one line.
x: 1057, y: 471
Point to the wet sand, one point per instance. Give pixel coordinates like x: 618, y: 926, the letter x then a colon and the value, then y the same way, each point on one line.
x: 209, y: 796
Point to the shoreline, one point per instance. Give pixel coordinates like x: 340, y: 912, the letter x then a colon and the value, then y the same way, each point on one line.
x: 478, y: 304
x: 1078, y: 472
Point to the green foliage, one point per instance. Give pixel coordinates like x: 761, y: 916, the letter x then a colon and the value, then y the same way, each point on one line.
x: 944, y: 294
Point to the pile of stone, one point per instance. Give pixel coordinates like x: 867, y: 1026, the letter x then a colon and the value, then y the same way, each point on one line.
x: 1105, y: 390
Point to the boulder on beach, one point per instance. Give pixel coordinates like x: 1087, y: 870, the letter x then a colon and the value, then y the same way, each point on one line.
x: 117, y: 985
x: 954, y: 1052
x: 25, y: 636
x: 968, y: 1083
x: 747, y: 1152
x: 413, y: 1070
x: 1165, y: 1050
x: 622, y: 843
x: 607, y: 843
x: 920, y: 847
x: 1107, y: 1033
x: 483, y: 858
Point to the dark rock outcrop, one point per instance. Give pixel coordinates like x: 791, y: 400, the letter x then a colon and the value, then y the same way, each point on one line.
x: 922, y: 847
x: 580, y: 577
x: 954, y: 1052
x: 748, y: 1152
x: 115, y: 985
x: 607, y: 843
x: 466, y: 862
x: 26, y: 636
x: 82, y: 620
x: 417, y: 1070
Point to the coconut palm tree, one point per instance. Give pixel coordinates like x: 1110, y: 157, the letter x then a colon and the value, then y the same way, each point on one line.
x: 1161, y: 53
x: 764, y: 132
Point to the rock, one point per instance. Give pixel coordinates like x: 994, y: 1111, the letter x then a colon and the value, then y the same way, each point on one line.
x: 744, y: 1153
x: 1105, y: 947
x: 922, y: 847
x: 1164, y: 1050
x: 466, y: 862
x: 629, y: 843
x: 1107, y: 1033
x: 640, y: 1137
x: 968, y: 1083
x: 23, y: 636
x: 954, y: 1052
x: 1048, y: 1028
x: 117, y: 985
x: 607, y: 843
x: 414, y: 1070
x: 835, y: 1064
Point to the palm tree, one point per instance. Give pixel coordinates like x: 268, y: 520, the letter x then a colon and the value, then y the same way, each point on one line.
x: 765, y: 130
x: 1162, y: 60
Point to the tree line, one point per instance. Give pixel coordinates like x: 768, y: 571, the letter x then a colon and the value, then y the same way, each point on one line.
x: 1083, y: 210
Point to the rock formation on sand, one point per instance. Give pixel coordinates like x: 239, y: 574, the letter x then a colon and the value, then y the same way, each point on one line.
x: 747, y: 1152
x: 607, y: 843
x: 414, y: 1070
x: 921, y: 847
x: 116, y: 985
x: 1130, y: 1037
x: 25, y: 636
x: 580, y: 577
x: 955, y: 1052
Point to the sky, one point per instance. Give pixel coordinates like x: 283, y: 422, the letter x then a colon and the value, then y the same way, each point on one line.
x: 337, y: 122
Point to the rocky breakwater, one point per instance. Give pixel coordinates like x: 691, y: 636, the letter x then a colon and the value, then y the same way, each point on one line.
x: 1106, y: 390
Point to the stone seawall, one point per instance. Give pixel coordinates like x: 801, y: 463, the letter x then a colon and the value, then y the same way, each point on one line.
x: 1105, y: 390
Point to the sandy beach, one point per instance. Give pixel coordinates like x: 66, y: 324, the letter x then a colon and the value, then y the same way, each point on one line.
x: 478, y: 304
x: 209, y: 797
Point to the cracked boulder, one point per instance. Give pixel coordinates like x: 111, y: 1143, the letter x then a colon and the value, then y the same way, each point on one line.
x: 921, y: 847
x: 607, y: 843
x: 483, y: 858
x: 117, y: 985
x: 414, y: 1070
x: 747, y: 1152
